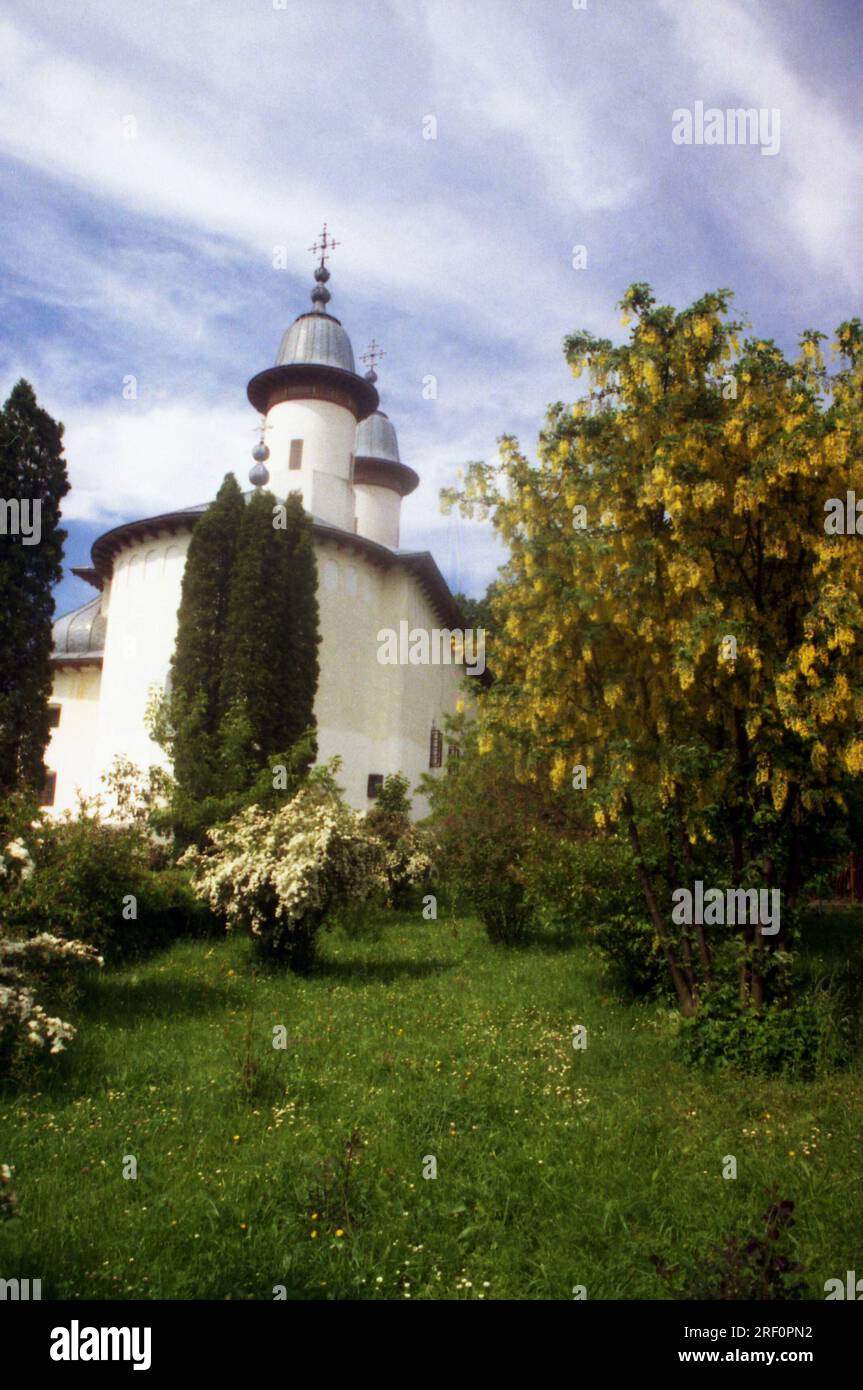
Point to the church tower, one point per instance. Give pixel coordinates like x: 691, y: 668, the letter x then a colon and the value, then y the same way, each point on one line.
x: 312, y: 401
x: 381, y: 480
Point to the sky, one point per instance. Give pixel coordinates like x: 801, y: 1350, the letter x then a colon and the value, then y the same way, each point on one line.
x: 164, y: 168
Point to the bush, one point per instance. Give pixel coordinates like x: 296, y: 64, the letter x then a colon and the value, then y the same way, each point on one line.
x: 24, y: 967
x: 280, y: 875
x: 407, y: 861
x: 90, y: 881
x: 805, y: 1038
x: 589, y: 884
x: 484, y: 822
x: 756, y: 1266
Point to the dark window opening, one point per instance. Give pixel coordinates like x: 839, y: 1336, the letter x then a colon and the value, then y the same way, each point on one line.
x: 452, y: 751
x: 49, y: 789
x: 296, y: 459
x: 53, y: 716
x: 435, y: 748
x: 376, y: 781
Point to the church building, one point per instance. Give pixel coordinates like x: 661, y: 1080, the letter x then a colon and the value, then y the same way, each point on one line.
x: 326, y: 438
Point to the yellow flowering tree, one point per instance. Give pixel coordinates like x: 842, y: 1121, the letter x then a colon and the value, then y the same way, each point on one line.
x: 677, y: 634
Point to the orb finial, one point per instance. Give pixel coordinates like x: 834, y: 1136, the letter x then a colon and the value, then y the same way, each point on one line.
x: 323, y: 247
x: 259, y: 474
x: 373, y: 354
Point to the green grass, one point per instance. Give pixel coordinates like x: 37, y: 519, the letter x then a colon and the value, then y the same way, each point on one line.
x: 555, y: 1167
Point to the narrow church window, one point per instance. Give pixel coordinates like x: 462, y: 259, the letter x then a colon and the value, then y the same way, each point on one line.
x: 48, y: 790
x: 296, y: 459
x: 376, y: 781
x: 53, y: 716
x: 436, y: 748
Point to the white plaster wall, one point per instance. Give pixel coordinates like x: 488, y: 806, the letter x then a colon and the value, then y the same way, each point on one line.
x: 142, y: 623
x: 70, y: 751
x: 377, y: 718
x: 328, y: 432
x: 378, y: 513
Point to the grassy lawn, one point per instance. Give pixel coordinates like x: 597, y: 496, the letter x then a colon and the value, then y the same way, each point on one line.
x: 555, y: 1167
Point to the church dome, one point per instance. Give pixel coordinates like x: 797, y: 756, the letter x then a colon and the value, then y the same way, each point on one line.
x: 376, y: 439
x: 81, y: 633
x: 317, y: 339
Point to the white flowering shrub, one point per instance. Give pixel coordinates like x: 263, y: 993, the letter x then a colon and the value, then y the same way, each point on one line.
x: 280, y: 874
x: 24, y: 965
x: 8, y: 1199
x: 16, y: 863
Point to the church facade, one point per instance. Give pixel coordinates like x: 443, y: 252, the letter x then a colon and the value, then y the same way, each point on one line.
x: 327, y: 439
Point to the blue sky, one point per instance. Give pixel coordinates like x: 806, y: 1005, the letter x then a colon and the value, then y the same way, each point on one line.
x: 254, y: 123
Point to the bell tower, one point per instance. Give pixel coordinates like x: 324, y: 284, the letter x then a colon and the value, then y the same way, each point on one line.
x: 311, y: 402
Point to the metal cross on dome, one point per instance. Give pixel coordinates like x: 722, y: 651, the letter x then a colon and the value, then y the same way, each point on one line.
x: 373, y: 354
x: 324, y: 245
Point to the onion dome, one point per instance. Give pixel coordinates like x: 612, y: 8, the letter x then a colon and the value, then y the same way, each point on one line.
x: 376, y: 456
x: 315, y: 361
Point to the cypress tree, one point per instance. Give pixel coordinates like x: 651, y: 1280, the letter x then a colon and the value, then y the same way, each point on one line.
x: 271, y: 662
x: 300, y: 599
x: 197, y: 666
x: 33, y: 482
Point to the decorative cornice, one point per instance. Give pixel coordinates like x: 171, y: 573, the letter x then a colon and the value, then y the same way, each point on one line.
x: 386, y: 473
x: 314, y: 382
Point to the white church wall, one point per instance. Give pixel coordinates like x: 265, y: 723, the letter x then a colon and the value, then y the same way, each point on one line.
x: 377, y: 718
x: 378, y: 513
x: 141, y: 630
x: 328, y: 432
x: 70, y: 751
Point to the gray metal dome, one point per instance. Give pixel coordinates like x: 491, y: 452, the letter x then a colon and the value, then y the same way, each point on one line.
x: 319, y: 339
x: 82, y: 632
x: 376, y: 439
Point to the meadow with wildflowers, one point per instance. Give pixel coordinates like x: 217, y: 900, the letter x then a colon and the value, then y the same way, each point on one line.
x: 298, y: 1171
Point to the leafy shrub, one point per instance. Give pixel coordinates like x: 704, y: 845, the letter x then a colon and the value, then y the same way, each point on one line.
x: 280, y: 874
x: 805, y: 1038
x: 79, y: 881
x: 483, y: 821
x: 407, y: 863
x: 589, y: 884
x: 24, y: 967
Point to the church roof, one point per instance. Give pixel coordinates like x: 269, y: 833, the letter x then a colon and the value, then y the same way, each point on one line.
x: 318, y: 339
x: 105, y: 548
x: 376, y: 438
x: 79, y: 636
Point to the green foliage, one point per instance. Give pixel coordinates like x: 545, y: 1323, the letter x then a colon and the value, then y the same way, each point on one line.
x: 394, y: 796
x: 87, y: 881
x: 588, y: 886
x: 426, y: 1041
x: 484, y: 822
x: 32, y: 468
x: 806, y: 1038
x: 270, y: 671
x: 245, y: 675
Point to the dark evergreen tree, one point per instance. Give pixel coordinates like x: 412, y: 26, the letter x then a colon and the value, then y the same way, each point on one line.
x: 197, y: 667
x: 271, y: 660
x: 301, y: 621
x: 33, y: 482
